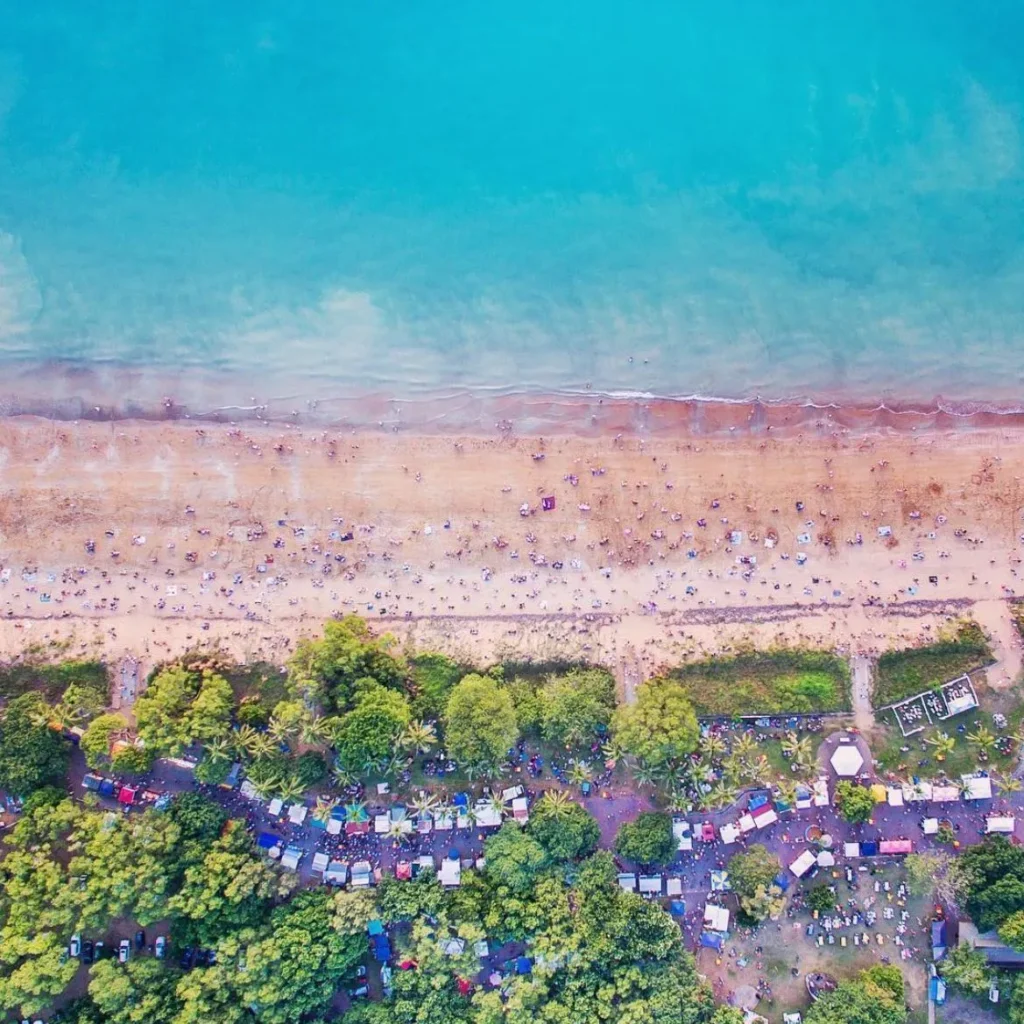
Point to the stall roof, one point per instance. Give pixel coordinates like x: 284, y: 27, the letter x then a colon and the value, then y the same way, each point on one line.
x: 821, y: 793
x: 334, y: 826
x: 846, y: 759
x: 979, y: 787
x: 320, y: 862
x: 450, y: 873
x: 851, y: 849
x: 765, y: 818
x: 487, y: 815
x: 945, y: 794
x: 729, y: 833
x: 275, y: 807
x: 267, y: 840
x: 627, y: 881
x: 716, y: 919
x: 651, y: 885
x: 826, y: 859
x: 711, y: 940
x: 291, y: 857
x: 336, y: 873
x: 746, y: 823
x: 297, y: 813
x: 891, y: 846
x: 930, y: 826
x: 894, y: 796
x: 803, y: 864
x: 997, y: 823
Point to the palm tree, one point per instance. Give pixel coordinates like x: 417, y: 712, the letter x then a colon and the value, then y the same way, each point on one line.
x: 579, y: 772
x: 469, y: 813
x: 324, y: 808
x: 496, y: 803
x: 786, y: 789
x: 720, y: 795
x: 678, y: 799
x: 266, y: 788
x: 943, y: 743
x: 745, y: 746
x: 419, y: 737
x: 396, y: 832
x: 799, y: 749
x: 281, y: 731
x: 262, y: 746
x: 1007, y: 784
x: 356, y: 811
x: 759, y: 770
x: 712, y: 746
x: 611, y: 750
x: 645, y: 774
x: 984, y: 740
x: 219, y: 748
x: 342, y: 776
x: 291, y: 789
x: 556, y: 802
x: 426, y: 803
x: 242, y: 738
x: 374, y: 765
x: 734, y: 769
x: 312, y: 730
x: 63, y: 716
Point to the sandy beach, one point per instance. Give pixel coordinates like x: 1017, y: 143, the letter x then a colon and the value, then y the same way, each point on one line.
x: 149, y: 538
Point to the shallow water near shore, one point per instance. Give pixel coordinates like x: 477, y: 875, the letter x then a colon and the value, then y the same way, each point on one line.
x: 454, y: 212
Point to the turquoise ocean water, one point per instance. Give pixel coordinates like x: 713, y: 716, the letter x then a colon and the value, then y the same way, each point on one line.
x: 787, y: 199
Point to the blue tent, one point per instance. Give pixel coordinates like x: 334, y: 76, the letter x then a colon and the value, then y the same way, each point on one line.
x: 461, y: 800
x: 711, y: 940
x: 375, y: 927
x: 758, y: 800
x: 107, y: 787
x: 869, y: 849
x: 381, y: 948
x: 338, y: 814
x: 267, y: 840
x: 781, y: 880
x: 523, y: 965
x: 677, y: 907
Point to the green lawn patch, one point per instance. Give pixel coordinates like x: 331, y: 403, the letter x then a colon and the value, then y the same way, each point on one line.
x: 50, y: 680
x: 767, y: 683
x: 902, y: 674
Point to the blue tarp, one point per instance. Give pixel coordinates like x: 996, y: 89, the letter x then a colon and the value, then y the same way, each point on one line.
x: 375, y: 927
x: 869, y: 849
x: 381, y: 948
x: 758, y: 800
x: 267, y: 840
x: 523, y: 965
x: 107, y: 788
x: 677, y: 907
x: 781, y: 880
x: 338, y: 814
x: 461, y: 800
x: 711, y: 940
x: 938, y: 934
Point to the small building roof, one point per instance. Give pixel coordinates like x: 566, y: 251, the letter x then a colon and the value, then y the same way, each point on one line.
x: 846, y: 760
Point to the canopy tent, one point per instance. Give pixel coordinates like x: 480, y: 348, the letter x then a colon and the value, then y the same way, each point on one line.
x: 291, y: 857
x: 979, y: 787
x: 627, y: 881
x: 729, y: 833
x: 821, y: 793
x: 826, y: 859
x: 846, y: 760
x: 746, y: 823
x: 891, y: 846
x: 716, y: 919
x: 450, y: 872
x: 651, y: 885
x: 720, y: 881
x: 444, y: 821
x: 362, y: 873
x: 487, y: 815
x: 275, y: 807
x: 336, y: 873
x: 297, y: 813
x: 320, y: 862
x: 673, y: 887
x: 917, y: 791
x: 851, y: 849
x: 711, y: 940
x: 930, y: 826
x: 945, y: 794
x: 681, y: 831
x: 894, y: 796
x: 520, y: 810
x: 334, y: 826
x: 803, y: 864
x: 765, y: 817
x: 997, y: 823
x: 381, y: 823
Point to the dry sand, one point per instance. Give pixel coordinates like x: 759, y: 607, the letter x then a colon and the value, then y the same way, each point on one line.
x: 234, y: 536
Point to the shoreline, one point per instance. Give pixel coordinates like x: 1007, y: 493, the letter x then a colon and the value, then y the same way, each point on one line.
x: 96, y: 394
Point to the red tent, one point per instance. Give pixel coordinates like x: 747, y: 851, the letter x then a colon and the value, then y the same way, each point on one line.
x: 895, y: 846
x: 127, y: 795
x: 403, y: 871
x: 707, y: 832
x: 357, y: 828
x: 464, y: 986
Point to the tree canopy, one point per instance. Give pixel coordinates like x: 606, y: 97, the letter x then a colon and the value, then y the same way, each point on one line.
x: 660, y: 727
x: 480, y: 722
x: 647, y: 839
x: 31, y: 753
x: 752, y: 874
x: 855, y: 803
x: 574, y: 706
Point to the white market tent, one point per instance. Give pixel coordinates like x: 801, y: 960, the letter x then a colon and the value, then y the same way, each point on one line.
x: 716, y: 919
x: 444, y: 821
x: 894, y: 796
x: 747, y: 823
x: 334, y: 826
x: 297, y: 813
x: 275, y: 807
x: 681, y: 831
x: 851, y: 849
x: 673, y: 887
x: 248, y: 790
x: 826, y: 859
x: 979, y: 787
x: 720, y: 881
x: 487, y: 815
x: 945, y: 794
x: 768, y: 818
x: 846, y: 760
x: 650, y: 885
x: 450, y: 873
x: 930, y: 826
x: 1002, y: 824
x: 336, y: 873
x: 627, y: 881
x: 729, y: 833
x: 291, y: 857
x: 803, y: 864
x: 320, y: 862
x: 917, y: 791
x: 821, y: 793
x: 521, y: 810
x: 381, y: 823
x: 512, y: 793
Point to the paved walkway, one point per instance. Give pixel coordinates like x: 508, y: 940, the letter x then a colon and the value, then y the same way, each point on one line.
x: 863, y: 684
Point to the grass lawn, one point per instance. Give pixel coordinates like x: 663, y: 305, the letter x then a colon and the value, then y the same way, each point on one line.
x: 262, y: 680
x: 21, y: 676
x: 767, y: 683
x: 886, y: 740
x: 901, y: 674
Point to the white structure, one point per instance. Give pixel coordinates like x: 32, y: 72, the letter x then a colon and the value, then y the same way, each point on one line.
x: 821, y: 793
x: 894, y: 796
x: 487, y: 815
x: 716, y: 919
x: 826, y: 859
x: 450, y: 874
x: 945, y: 794
x: 803, y: 864
x: 930, y: 826
x: 627, y: 881
x: 846, y: 760
x: 681, y: 831
x: 650, y: 885
x: 275, y: 807
x: 334, y: 826
x: 521, y: 810
x: 336, y: 873
x: 1003, y: 824
x: 297, y: 813
x: 320, y: 862
x: 746, y: 824
x: 381, y: 823
x: 729, y: 833
x: 979, y: 787
x: 851, y: 849
x: 291, y: 857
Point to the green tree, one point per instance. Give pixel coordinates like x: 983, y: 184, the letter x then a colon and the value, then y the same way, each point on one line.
x: 993, y: 905
x: 566, y: 831
x: 647, y: 839
x: 966, y: 968
x: 199, y: 820
x: 514, y: 858
x: 353, y: 910
x: 212, y: 771
x: 574, y: 706
x: 209, y: 715
x: 369, y: 732
x: 310, y: 768
x: 433, y: 676
x: 325, y: 671
x: 98, y: 737
x: 230, y: 888
x: 480, y: 722
x: 867, y: 999
x: 162, y: 710
x: 31, y: 753
x: 855, y: 803
x: 661, y: 726
x: 84, y: 701
x: 822, y: 899
x: 405, y: 901
x: 935, y: 872
x: 132, y: 760
x: 1011, y: 931
x: 752, y: 874
x: 138, y: 992
x: 526, y: 700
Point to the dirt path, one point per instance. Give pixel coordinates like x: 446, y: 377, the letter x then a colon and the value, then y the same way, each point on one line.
x: 863, y: 716
x: 996, y: 618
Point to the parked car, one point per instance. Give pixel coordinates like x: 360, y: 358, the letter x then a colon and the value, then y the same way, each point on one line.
x: 75, y: 946
x: 140, y: 939
x: 360, y: 992
x: 87, y: 952
x: 101, y: 950
x: 188, y: 955
x: 160, y: 947
x: 361, y: 972
x: 124, y: 950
